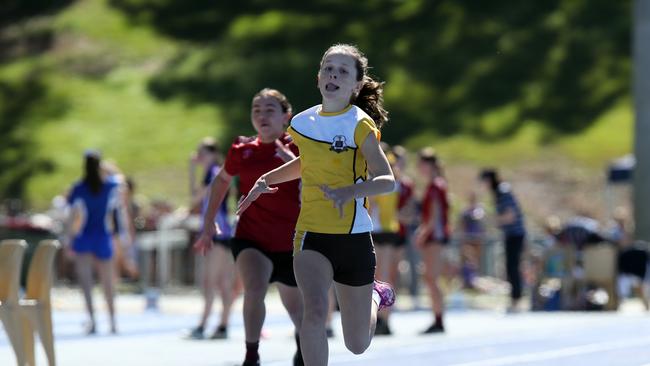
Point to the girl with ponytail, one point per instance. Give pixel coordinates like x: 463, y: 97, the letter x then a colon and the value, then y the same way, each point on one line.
x: 341, y: 164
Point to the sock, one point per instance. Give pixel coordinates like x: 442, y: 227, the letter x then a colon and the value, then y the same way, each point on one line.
x: 375, y: 297
x: 251, y: 351
x: 200, y: 328
x: 439, y: 319
x: 222, y: 328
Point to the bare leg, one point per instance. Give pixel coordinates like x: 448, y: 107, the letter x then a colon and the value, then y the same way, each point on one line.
x: 396, y: 255
x: 208, y: 284
x: 118, y: 259
x: 645, y: 291
x: 393, y: 271
x: 225, y: 278
x: 358, y: 315
x: 255, y: 270
x: 84, y: 266
x: 384, y: 254
x: 292, y: 301
x: 432, y: 259
x: 105, y: 270
x: 314, y: 276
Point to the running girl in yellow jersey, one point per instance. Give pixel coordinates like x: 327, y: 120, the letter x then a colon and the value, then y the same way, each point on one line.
x: 340, y: 164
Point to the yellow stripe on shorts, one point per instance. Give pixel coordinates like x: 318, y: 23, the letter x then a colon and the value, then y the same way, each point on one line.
x: 298, y: 240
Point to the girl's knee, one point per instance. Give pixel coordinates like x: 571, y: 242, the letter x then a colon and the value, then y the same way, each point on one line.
x: 255, y: 285
x: 356, y: 345
x: 315, y: 310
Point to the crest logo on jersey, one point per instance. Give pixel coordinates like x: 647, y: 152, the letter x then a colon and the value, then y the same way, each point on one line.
x: 339, y: 144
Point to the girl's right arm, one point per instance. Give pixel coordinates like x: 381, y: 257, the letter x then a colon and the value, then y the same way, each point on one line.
x: 218, y: 190
x: 287, y: 172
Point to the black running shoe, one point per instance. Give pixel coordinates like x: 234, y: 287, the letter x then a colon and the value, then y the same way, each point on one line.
x: 382, y: 327
x: 434, y: 328
x: 220, y: 333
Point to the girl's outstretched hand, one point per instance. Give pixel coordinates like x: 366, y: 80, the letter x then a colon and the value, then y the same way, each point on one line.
x: 258, y: 189
x: 339, y: 196
x: 203, y: 244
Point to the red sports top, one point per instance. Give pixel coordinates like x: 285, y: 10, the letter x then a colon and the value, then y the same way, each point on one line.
x: 270, y: 221
x: 436, y: 197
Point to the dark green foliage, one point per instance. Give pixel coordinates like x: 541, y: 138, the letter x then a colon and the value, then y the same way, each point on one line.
x: 23, y: 104
x: 447, y: 64
x: 12, y: 11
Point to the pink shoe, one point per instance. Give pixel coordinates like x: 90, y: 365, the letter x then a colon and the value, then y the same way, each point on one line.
x: 386, y: 293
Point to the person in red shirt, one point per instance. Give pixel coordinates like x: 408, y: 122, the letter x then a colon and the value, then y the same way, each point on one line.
x: 433, y: 233
x: 263, y: 241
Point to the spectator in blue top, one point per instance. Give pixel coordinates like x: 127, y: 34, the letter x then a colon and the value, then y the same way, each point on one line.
x: 219, y: 270
x: 511, y: 221
x: 90, y: 224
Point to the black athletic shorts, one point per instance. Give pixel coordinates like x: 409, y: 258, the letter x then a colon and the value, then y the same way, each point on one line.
x: 385, y: 239
x: 282, y: 261
x: 223, y: 242
x: 352, y: 255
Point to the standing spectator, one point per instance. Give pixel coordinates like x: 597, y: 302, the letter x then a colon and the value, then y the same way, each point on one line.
x: 219, y: 269
x: 472, y: 236
x: 408, y: 219
x: 133, y: 210
x: 92, y: 202
x: 123, y: 233
x: 433, y: 233
x: 511, y: 221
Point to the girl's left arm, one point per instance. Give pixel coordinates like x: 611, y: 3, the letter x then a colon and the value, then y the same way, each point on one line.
x: 381, y: 181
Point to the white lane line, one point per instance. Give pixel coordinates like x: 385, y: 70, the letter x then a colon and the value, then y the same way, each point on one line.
x: 560, y: 353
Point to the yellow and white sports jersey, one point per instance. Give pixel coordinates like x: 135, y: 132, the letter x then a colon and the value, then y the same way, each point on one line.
x: 330, y: 154
x: 384, y: 212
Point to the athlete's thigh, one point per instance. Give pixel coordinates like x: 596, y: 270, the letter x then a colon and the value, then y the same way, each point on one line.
x: 314, y: 274
x: 355, y: 303
x: 254, y: 267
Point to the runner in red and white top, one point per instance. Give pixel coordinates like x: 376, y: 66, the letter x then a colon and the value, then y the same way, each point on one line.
x: 271, y: 220
x: 263, y: 241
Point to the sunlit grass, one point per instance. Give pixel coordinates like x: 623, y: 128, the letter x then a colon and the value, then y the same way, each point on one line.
x: 608, y: 138
x: 100, y: 22
x: 147, y: 138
